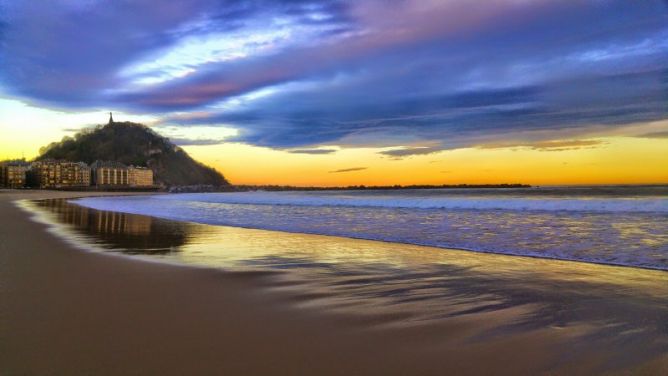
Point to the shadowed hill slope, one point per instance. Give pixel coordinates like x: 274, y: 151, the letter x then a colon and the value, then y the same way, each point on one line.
x: 134, y: 144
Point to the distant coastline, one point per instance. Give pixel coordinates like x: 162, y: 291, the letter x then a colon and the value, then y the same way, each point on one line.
x: 623, y: 190
x: 269, y: 187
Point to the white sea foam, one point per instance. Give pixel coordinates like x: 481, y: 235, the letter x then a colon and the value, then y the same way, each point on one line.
x: 586, y: 204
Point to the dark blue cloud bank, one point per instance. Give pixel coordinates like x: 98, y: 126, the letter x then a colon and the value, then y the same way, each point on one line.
x: 296, y: 74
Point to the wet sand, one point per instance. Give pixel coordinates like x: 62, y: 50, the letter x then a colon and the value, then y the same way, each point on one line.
x: 67, y: 311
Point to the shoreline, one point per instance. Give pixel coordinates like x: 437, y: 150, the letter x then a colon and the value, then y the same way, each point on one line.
x: 67, y: 311
x: 457, y: 249
x: 426, y: 245
x: 65, y: 234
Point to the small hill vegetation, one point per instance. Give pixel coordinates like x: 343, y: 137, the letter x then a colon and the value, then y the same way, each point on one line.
x: 135, y: 144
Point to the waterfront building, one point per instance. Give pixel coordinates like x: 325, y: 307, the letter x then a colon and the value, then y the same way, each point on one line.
x: 13, y: 173
x: 84, y: 175
x: 140, y: 177
x: 52, y: 173
x: 106, y: 173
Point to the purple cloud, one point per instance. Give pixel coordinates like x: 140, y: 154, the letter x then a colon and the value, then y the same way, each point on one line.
x: 299, y: 74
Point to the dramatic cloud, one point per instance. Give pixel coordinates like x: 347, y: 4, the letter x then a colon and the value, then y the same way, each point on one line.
x: 306, y: 73
x: 348, y: 170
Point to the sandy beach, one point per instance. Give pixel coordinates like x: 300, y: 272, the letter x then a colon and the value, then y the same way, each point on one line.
x: 65, y: 311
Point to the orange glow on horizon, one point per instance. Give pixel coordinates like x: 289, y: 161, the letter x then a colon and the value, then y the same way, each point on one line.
x: 617, y: 160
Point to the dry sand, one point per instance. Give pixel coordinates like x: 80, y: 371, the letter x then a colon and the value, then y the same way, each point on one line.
x: 64, y: 311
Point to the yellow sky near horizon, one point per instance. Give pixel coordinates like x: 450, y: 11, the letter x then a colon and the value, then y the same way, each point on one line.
x: 616, y: 160
x: 612, y: 159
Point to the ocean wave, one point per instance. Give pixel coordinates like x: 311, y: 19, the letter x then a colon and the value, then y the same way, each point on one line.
x: 586, y: 204
x: 632, y: 235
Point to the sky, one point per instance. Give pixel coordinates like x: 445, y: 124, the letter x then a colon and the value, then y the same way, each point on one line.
x: 371, y: 92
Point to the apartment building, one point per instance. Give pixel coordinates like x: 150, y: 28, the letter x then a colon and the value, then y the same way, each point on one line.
x: 59, y: 174
x: 140, y: 177
x: 107, y: 173
x: 13, y: 174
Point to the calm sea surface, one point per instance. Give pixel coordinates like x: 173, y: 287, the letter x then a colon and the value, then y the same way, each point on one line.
x: 609, y: 225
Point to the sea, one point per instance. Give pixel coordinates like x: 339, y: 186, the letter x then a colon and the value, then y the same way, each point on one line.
x: 615, y: 225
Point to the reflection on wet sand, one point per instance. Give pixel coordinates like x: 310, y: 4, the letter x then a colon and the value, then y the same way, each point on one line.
x: 131, y: 234
x: 620, y: 314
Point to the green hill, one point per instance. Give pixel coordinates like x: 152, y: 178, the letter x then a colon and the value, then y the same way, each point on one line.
x: 134, y: 144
